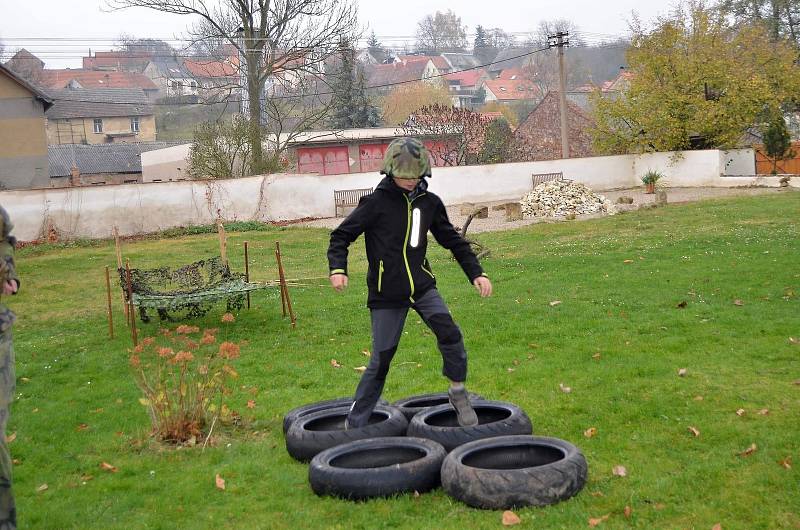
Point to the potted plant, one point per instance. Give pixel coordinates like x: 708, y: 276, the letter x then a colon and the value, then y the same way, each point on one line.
x: 650, y: 178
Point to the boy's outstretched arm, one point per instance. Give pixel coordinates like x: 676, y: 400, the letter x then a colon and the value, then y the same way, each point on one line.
x: 444, y: 232
x: 347, y: 232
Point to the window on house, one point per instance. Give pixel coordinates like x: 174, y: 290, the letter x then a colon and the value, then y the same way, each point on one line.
x: 98, y: 125
x: 135, y: 124
x: 174, y: 85
x: 193, y: 84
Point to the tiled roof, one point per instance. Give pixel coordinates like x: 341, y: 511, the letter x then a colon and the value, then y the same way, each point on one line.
x: 539, y: 136
x: 512, y: 89
x: 98, y: 103
x: 95, y: 79
x: 512, y: 73
x: 467, y: 78
x: 100, y: 158
x: 383, y: 74
x: 209, y: 68
x: 117, y: 60
x: 459, y: 61
x: 438, y: 61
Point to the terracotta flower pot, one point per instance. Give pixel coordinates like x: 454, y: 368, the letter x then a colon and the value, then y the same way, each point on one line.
x: 650, y: 187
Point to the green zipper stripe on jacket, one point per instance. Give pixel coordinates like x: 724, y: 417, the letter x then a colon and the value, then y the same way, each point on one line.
x: 405, y: 244
x: 429, y: 272
x: 380, y: 275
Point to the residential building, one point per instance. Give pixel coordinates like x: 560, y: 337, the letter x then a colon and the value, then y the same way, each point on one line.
x: 216, y: 80
x: 509, y: 91
x: 172, y: 79
x: 91, y: 165
x: 438, y: 61
x: 23, y: 141
x: 120, y: 61
x: 382, y: 78
x: 461, y: 61
x: 609, y: 89
x: 539, y: 136
x: 26, y: 65
x: 96, y: 116
x: 517, y: 57
x: 464, y: 86
x: 81, y: 78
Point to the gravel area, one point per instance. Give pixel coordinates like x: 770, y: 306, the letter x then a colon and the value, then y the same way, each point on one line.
x: 497, y: 218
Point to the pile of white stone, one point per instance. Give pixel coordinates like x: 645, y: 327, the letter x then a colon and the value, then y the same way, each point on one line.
x: 563, y: 198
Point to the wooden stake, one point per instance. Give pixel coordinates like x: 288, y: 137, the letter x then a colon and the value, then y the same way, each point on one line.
x: 132, y: 309
x: 247, y: 272
x: 118, y: 246
x: 110, y: 315
x: 223, y: 242
x: 284, y: 288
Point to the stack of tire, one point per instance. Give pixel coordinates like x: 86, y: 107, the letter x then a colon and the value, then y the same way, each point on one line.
x: 416, y: 444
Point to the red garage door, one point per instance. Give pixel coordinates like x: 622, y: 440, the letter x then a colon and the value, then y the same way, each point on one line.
x: 371, y: 156
x: 332, y: 160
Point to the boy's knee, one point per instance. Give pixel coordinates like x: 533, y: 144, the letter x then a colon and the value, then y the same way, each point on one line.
x: 446, y: 330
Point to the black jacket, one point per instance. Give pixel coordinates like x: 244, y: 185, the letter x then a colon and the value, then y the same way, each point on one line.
x: 395, y: 226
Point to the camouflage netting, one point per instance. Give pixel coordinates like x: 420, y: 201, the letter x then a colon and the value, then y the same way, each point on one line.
x: 187, y: 292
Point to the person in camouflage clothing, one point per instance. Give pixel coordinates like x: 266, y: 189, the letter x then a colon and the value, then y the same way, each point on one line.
x: 9, y: 283
x: 395, y: 220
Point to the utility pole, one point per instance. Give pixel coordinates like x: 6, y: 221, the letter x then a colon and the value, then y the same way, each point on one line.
x: 560, y: 40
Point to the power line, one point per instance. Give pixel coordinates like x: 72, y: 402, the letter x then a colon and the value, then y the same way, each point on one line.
x: 385, y: 85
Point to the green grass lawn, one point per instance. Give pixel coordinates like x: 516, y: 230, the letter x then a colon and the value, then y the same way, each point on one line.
x: 617, y: 339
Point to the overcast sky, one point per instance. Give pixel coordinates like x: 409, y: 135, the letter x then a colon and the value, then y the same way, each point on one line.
x: 82, y: 24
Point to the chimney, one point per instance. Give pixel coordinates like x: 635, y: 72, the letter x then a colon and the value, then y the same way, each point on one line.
x: 74, y: 176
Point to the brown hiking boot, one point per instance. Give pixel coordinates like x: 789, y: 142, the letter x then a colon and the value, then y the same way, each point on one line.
x: 464, y: 411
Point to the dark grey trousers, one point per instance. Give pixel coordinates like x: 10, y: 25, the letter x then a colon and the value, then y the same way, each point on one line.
x: 387, y: 327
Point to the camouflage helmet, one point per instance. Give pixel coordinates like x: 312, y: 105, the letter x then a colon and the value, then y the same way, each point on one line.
x: 406, y: 158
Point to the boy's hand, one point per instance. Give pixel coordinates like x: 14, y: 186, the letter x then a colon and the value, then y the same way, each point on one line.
x: 10, y: 287
x: 483, y: 285
x: 339, y: 281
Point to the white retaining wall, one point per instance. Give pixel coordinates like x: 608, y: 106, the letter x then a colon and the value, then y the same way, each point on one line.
x: 92, y: 212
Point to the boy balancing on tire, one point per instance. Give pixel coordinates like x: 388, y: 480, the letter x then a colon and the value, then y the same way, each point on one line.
x: 395, y: 220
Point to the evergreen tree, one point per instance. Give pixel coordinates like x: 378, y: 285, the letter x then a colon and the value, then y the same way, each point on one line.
x: 480, y: 37
x: 352, y: 107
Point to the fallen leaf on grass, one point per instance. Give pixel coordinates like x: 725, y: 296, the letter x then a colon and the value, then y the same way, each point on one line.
x: 251, y: 404
x: 628, y: 261
x: 594, y: 521
x: 628, y: 511
x: 11, y: 437
x: 366, y: 352
x: 42, y: 488
x: 749, y: 451
x: 555, y: 303
x: 335, y: 363
x: 219, y: 482
x: 682, y: 372
x: 510, y: 370
x: 16, y: 461
x: 510, y: 518
x: 24, y: 379
x: 763, y: 412
x: 596, y: 356
x: 564, y: 389
x: 738, y: 302
x: 716, y: 527
x: 786, y: 463
x: 619, y: 471
x: 360, y: 368
x: 694, y: 431
x: 591, y: 431
x: 698, y: 398
x: 598, y: 494
x: 86, y: 477
x: 740, y: 412
x: 682, y: 305
x: 793, y: 340
x: 108, y: 467
x: 81, y: 427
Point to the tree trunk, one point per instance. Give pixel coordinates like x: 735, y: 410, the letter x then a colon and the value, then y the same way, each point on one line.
x: 255, y: 106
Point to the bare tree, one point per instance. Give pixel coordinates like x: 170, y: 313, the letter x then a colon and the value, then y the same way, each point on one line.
x: 456, y: 134
x: 441, y: 32
x: 280, y: 44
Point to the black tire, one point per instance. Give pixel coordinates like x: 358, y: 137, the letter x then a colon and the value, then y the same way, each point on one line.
x: 377, y: 467
x: 495, y: 418
x: 413, y: 404
x: 514, y: 471
x: 293, y: 414
x: 315, y: 432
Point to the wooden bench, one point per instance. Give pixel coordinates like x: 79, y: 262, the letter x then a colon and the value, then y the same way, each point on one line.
x: 348, y: 198
x: 541, y: 178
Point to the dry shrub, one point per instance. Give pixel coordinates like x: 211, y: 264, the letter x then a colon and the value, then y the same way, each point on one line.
x: 183, y: 374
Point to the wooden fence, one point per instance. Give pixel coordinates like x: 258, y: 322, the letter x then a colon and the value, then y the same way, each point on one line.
x: 765, y: 164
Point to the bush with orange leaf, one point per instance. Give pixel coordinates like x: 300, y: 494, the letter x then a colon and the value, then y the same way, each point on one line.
x: 183, y: 374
